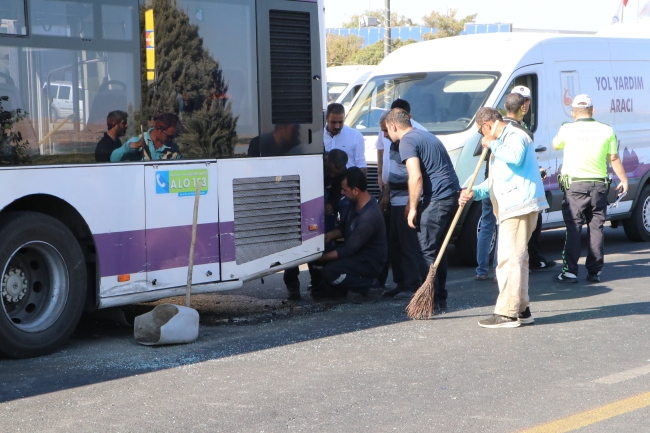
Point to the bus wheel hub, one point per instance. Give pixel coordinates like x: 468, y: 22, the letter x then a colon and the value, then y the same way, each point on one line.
x: 14, y: 285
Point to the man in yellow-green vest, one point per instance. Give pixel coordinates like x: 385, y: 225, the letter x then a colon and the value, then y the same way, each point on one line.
x: 588, y: 146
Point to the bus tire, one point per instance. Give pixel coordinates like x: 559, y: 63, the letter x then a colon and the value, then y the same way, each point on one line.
x: 637, y: 227
x: 42, y: 284
x: 468, y: 238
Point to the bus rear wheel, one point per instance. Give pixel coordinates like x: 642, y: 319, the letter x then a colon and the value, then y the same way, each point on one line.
x: 42, y: 284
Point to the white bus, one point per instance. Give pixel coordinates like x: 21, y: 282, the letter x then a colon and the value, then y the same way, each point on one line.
x: 80, y: 235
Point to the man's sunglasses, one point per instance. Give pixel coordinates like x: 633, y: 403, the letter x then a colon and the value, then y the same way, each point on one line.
x: 169, y: 136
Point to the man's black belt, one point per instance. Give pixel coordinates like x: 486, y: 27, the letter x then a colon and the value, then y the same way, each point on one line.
x: 401, y: 186
x: 589, y: 179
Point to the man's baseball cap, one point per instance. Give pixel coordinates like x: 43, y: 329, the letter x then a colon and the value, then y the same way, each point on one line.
x: 522, y: 90
x: 582, y: 101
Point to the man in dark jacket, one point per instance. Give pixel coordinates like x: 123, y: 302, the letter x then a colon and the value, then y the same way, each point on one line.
x: 355, y: 265
x: 116, y: 123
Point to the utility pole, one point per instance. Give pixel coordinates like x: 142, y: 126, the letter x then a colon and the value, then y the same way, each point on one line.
x: 387, y: 41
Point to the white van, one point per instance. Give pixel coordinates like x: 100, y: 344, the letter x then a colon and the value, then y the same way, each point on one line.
x: 60, y: 93
x: 344, y: 82
x: 447, y: 80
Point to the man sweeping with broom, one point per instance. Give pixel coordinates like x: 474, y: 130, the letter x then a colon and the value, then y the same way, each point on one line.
x: 517, y: 194
x: 431, y: 176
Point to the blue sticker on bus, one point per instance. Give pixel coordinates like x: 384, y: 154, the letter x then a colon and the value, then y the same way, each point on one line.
x: 182, y: 182
x: 162, y: 182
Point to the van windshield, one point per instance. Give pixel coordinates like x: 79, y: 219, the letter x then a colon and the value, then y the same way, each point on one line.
x: 334, y: 90
x: 442, y: 102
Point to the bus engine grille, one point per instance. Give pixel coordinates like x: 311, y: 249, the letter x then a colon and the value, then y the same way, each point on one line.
x: 267, y: 216
x: 291, y: 76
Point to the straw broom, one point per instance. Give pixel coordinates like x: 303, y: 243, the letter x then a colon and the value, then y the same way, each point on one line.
x: 421, y: 305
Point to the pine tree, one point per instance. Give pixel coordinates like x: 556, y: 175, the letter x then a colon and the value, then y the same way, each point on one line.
x: 188, y: 76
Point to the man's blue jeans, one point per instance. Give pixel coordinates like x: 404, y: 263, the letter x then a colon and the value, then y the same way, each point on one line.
x: 488, y: 224
x: 435, y: 219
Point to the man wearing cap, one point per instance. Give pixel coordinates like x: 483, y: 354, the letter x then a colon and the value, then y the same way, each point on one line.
x: 516, y: 109
x: 588, y: 146
x: 525, y: 107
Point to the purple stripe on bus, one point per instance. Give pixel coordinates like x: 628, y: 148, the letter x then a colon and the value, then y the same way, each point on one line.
x: 121, y: 252
x: 227, y: 231
x: 137, y: 251
x: 313, y: 212
x: 166, y: 248
x: 169, y: 247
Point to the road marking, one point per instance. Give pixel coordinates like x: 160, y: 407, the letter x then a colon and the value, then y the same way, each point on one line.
x: 593, y: 416
x: 624, y: 375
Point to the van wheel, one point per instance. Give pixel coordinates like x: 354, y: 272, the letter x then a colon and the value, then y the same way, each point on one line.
x: 42, y: 284
x: 54, y: 116
x: 467, y: 241
x: 637, y: 227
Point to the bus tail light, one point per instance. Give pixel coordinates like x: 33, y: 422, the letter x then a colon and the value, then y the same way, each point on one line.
x: 313, y: 227
x: 123, y: 278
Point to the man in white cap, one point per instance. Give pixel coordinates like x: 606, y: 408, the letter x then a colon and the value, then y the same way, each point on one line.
x: 588, y: 146
x: 525, y: 107
x: 517, y: 106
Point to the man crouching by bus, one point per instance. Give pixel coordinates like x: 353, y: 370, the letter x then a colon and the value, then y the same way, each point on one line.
x: 355, y: 265
x: 159, y: 142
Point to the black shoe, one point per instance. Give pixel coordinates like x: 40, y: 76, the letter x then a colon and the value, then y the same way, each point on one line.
x: 525, y: 318
x: 322, y: 291
x: 404, y: 296
x: 593, y: 278
x: 392, y: 292
x: 373, y: 295
x: 564, y: 278
x: 481, y: 277
x: 541, y: 266
x: 440, y: 305
x: 294, y: 296
x: 294, y: 291
x: 497, y: 321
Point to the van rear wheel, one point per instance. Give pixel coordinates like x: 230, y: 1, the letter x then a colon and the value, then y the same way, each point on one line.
x: 637, y: 227
x: 42, y: 284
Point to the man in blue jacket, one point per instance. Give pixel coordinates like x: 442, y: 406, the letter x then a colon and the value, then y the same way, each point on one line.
x: 157, y: 143
x: 515, y: 188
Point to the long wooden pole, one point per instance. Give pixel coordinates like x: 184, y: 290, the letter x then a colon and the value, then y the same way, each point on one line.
x: 190, y: 264
x: 49, y: 134
x: 421, y: 305
x: 460, y: 209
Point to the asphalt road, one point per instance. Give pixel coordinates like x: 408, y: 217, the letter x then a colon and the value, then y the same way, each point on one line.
x: 273, y: 366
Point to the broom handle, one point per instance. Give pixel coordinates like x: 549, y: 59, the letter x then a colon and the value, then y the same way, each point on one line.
x: 459, y: 211
x: 190, y: 264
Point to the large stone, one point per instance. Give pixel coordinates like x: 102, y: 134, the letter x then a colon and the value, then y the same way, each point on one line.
x: 167, y: 324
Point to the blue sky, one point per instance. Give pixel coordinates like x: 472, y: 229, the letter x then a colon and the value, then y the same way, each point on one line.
x: 590, y: 15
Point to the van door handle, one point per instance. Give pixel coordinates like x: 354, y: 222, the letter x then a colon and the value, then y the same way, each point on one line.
x: 540, y: 149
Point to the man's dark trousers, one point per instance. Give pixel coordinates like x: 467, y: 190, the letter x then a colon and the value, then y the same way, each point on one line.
x: 384, y: 272
x: 351, y: 274
x: 405, y: 252
x: 435, y: 219
x: 584, y: 202
x: 534, y: 245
